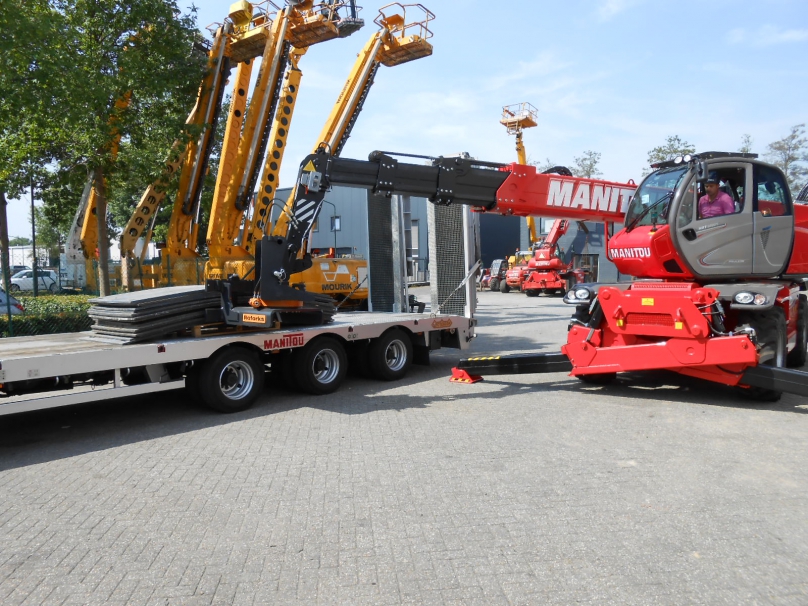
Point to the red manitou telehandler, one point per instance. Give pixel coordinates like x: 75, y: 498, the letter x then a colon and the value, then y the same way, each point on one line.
x: 718, y: 291
x: 549, y: 273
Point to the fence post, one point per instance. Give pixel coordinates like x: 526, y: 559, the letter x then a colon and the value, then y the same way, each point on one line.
x: 8, y: 303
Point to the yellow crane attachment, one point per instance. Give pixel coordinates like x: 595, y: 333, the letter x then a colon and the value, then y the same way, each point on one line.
x: 516, y: 118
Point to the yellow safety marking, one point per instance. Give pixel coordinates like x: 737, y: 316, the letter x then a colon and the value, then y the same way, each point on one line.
x: 309, y: 167
x: 678, y: 325
x: 489, y: 358
x: 620, y: 323
x: 647, y: 302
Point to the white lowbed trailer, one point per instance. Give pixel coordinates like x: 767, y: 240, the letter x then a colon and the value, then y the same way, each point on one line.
x: 226, y: 370
x: 226, y: 367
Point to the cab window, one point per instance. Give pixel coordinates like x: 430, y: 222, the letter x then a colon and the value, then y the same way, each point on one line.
x: 771, y: 197
x: 732, y: 181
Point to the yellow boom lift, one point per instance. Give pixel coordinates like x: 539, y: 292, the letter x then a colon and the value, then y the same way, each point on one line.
x: 242, y: 39
x: 398, y: 40
x: 295, y: 28
x: 516, y: 118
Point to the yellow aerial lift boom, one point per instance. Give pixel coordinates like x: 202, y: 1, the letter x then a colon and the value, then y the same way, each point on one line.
x: 243, y: 38
x: 397, y: 41
x: 191, y: 163
x: 294, y: 29
x: 516, y: 118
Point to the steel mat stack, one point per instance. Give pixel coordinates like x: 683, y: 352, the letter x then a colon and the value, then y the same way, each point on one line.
x: 151, y: 314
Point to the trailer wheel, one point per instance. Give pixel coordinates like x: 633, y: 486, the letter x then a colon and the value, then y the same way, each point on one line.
x: 503, y: 287
x: 797, y: 357
x: 230, y: 380
x: 390, y: 356
x: 320, y: 366
x: 493, y: 284
x: 770, y: 327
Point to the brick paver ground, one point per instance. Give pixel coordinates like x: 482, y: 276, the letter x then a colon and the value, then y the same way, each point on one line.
x: 517, y: 490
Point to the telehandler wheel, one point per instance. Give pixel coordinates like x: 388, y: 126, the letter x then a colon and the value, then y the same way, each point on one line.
x: 230, y: 380
x: 390, y: 356
x: 797, y: 357
x: 503, y: 287
x: 770, y: 327
x: 493, y: 285
x: 532, y: 292
x: 599, y: 379
x: 321, y: 366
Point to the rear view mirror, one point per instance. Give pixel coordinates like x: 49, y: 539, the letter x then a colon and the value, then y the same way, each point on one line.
x: 701, y: 170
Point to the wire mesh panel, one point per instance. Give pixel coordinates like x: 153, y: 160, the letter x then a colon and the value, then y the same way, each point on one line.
x: 453, y: 250
x: 380, y: 253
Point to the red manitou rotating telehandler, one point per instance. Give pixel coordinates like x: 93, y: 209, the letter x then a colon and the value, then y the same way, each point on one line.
x: 549, y: 273
x: 718, y: 297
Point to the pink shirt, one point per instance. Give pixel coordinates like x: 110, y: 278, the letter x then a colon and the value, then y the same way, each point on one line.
x: 722, y: 205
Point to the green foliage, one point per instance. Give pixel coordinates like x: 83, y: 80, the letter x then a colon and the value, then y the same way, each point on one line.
x: 790, y: 154
x: 746, y: 144
x: 674, y: 146
x: 48, y: 315
x: 55, y: 304
x: 19, y: 241
x: 587, y: 165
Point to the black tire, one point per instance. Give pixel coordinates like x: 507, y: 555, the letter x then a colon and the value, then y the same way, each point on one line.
x: 532, y: 292
x: 493, y: 285
x: 320, y: 366
x: 599, y: 379
x: 230, y: 380
x: 53, y: 289
x: 390, y: 356
x: 770, y: 327
x: 15, y: 288
x: 797, y: 357
x: 503, y: 287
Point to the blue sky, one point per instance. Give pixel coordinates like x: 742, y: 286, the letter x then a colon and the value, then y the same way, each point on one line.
x: 613, y: 76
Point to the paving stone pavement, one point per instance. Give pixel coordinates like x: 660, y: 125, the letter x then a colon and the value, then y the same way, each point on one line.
x: 516, y: 490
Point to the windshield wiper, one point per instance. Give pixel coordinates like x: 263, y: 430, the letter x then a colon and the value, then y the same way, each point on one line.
x: 647, y: 209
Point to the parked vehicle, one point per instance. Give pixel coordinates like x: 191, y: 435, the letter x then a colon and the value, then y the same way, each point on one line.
x: 15, y: 269
x: 46, y: 278
x: 495, y: 275
x: 15, y: 307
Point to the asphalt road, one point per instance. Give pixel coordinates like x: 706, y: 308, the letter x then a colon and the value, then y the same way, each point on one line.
x: 517, y: 490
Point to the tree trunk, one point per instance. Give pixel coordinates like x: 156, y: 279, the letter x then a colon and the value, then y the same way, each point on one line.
x: 4, y: 242
x: 103, y: 234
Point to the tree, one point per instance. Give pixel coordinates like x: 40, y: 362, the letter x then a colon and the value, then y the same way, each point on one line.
x: 543, y: 166
x: 32, y: 63
x: 789, y: 154
x: 674, y: 146
x: 587, y: 165
x: 19, y: 241
x: 746, y: 144
x: 140, y: 51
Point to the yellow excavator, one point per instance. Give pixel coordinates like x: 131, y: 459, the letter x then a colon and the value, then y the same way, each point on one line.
x: 516, y: 118
x: 399, y: 39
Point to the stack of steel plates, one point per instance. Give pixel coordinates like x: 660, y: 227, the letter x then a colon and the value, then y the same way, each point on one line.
x: 151, y: 314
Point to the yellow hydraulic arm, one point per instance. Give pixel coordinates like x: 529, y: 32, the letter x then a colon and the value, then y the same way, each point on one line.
x: 84, y: 233
x: 295, y: 28
x: 516, y: 118
x: 191, y: 164
x: 397, y: 41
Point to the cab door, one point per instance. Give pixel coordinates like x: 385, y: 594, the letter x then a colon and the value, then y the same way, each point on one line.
x: 773, y: 221
x: 717, y: 246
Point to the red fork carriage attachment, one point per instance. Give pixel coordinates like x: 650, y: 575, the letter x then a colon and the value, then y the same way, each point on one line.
x: 664, y: 325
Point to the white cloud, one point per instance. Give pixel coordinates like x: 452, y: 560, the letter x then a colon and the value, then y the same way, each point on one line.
x: 766, y: 35
x: 609, y: 8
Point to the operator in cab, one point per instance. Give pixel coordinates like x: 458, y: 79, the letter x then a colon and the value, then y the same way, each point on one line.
x: 715, y: 202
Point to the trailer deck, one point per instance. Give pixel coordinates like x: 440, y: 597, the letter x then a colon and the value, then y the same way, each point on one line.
x: 51, y: 362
